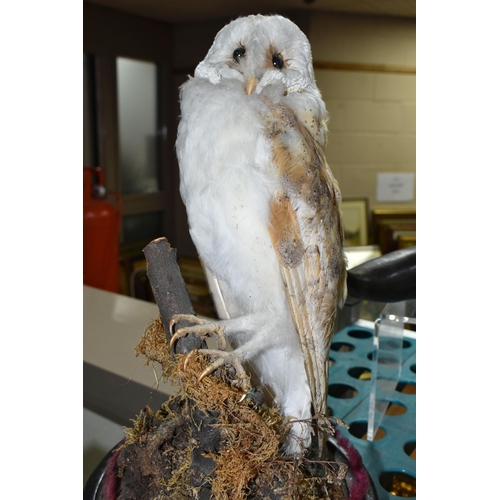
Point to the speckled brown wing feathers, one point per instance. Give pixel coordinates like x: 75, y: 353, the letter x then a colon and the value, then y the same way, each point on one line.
x: 306, y: 231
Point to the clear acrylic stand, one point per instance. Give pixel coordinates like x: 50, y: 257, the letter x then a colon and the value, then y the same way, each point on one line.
x: 387, y: 359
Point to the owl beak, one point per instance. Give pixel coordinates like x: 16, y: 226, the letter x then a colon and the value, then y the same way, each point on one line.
x: 251, y: 84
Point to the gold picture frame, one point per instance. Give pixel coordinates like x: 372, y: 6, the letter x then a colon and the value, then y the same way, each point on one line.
x: 355, y: 221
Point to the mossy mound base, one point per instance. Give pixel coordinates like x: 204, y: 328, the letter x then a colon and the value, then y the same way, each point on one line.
x: 211, y: 441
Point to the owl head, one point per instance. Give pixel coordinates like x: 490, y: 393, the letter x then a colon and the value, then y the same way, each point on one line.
x: 259, y: 51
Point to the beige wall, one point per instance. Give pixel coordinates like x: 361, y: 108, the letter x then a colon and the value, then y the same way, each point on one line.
x: 372, y: 114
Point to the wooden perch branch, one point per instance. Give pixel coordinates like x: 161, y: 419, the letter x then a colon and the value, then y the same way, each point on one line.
x: 169, y: 290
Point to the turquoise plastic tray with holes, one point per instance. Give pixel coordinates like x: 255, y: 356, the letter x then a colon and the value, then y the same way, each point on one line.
x: 348, y: 399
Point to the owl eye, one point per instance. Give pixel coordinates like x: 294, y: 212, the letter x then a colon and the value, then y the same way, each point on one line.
x: 238, y: 54
x: 277, y: 61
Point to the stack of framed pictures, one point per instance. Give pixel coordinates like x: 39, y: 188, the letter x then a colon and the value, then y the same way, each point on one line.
x: 390, y: 229
x: 394, y: 229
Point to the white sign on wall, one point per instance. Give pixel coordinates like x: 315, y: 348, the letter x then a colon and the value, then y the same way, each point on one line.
x: 395, y: 187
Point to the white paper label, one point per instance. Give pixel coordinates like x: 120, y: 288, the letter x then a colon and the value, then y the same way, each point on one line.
x: 395, y: 187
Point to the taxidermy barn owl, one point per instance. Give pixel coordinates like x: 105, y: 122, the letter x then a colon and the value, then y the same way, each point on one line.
x: 263, y: 210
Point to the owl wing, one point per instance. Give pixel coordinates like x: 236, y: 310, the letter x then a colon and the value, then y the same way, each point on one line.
x: 306, y: 231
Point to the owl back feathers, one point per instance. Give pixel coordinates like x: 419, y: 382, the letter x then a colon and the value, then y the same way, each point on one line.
x: 306, y: 231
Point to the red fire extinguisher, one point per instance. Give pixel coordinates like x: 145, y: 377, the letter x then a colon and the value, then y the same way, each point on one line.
x: 101, y: 232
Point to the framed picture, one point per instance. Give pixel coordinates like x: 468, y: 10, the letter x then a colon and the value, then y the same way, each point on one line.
x: 355, y: 220
x: 390, y: 233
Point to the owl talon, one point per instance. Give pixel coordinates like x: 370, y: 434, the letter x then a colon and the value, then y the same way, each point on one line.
x: 191, y: 318
x: 241, y: 381
x: 204, y: 328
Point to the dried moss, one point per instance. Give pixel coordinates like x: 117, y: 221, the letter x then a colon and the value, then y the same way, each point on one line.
x: 153, y: 346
